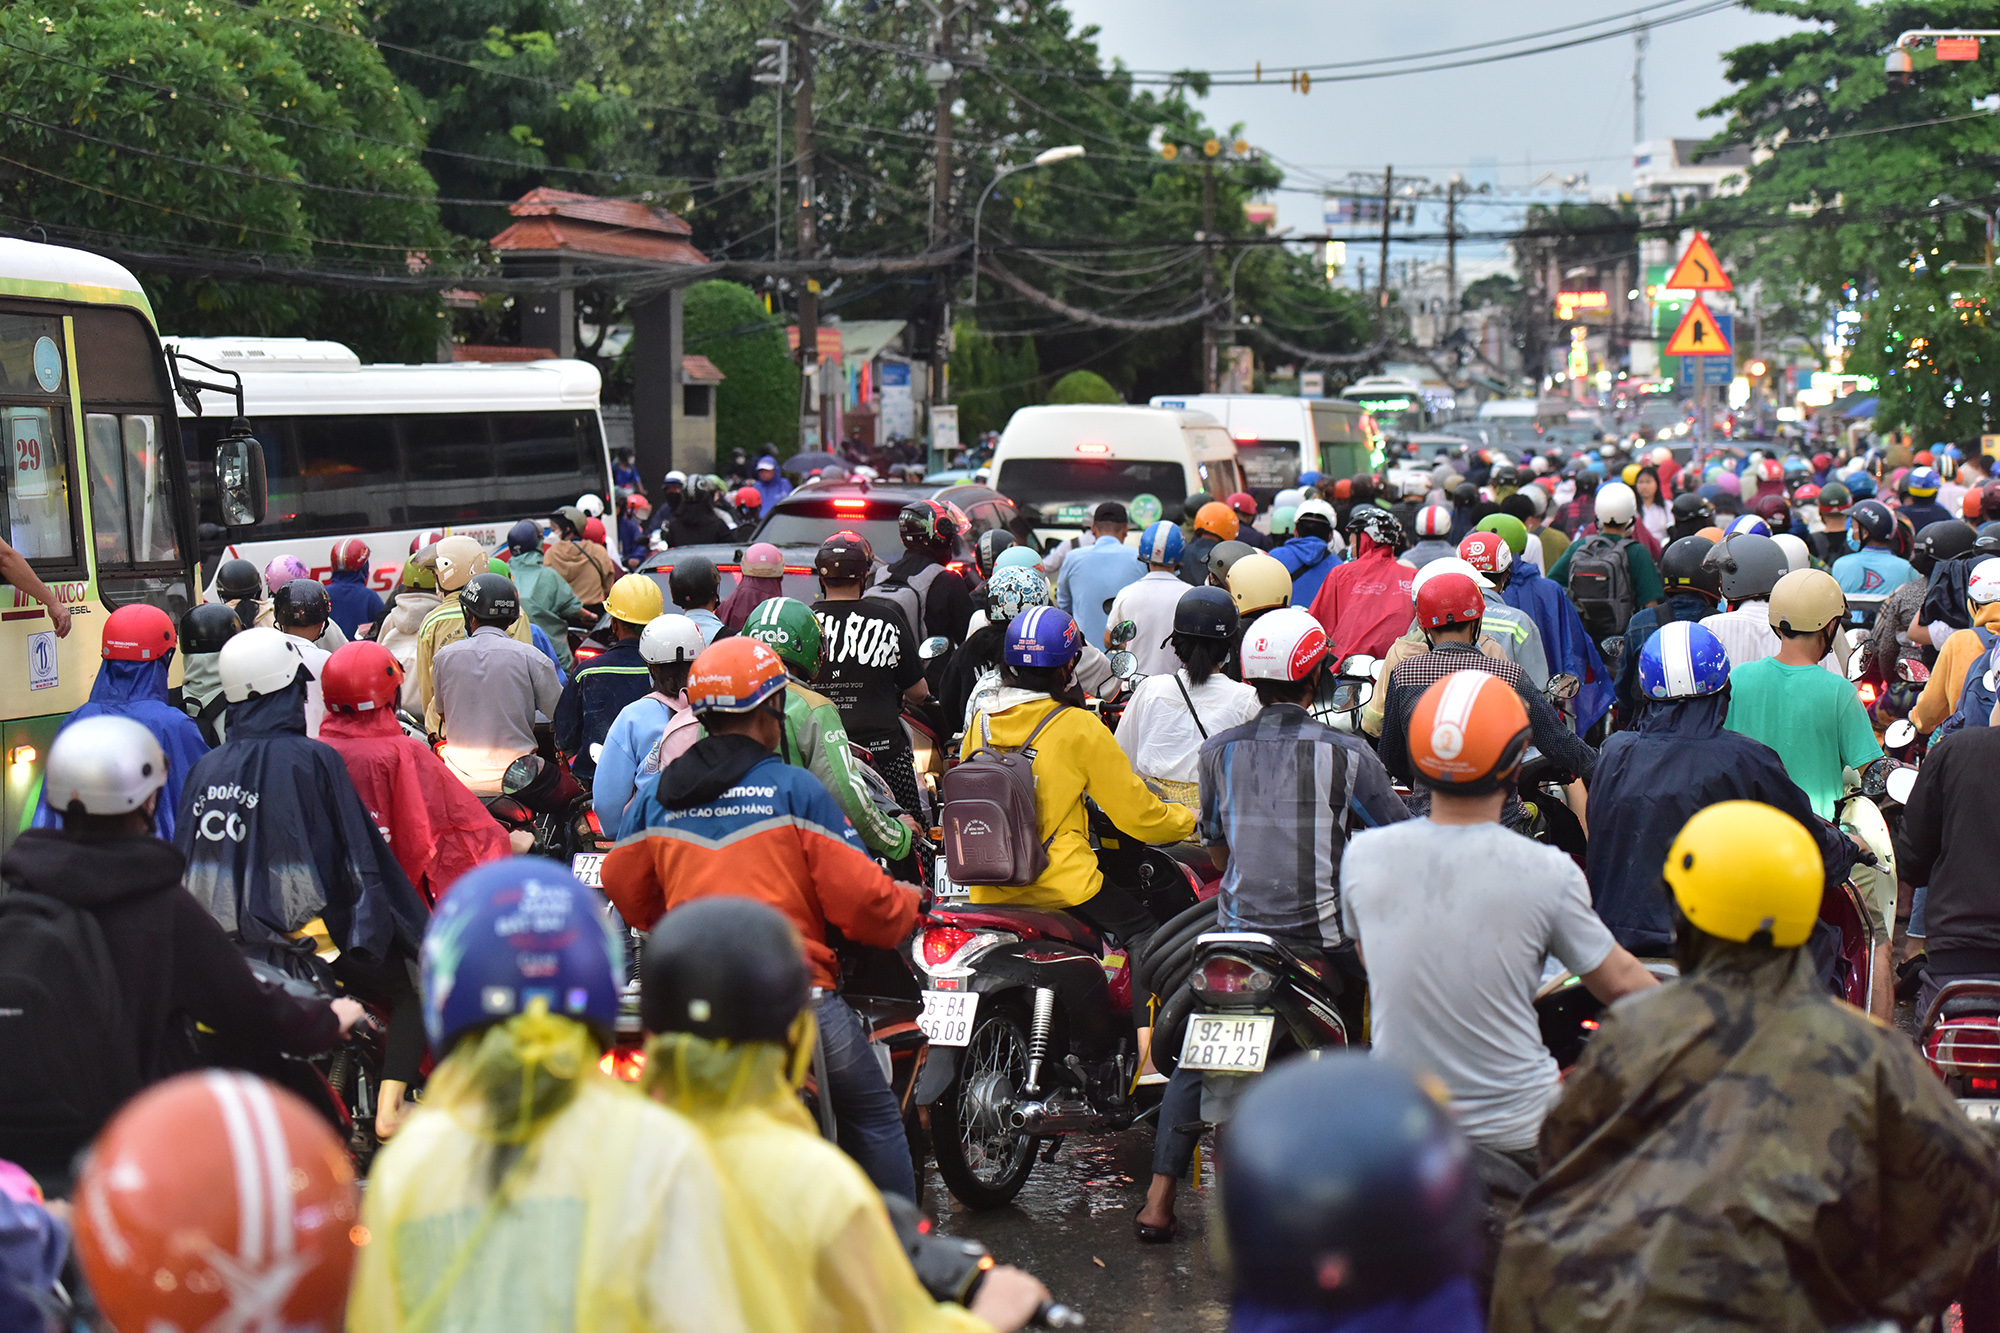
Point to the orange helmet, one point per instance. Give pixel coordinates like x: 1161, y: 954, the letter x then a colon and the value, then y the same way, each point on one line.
x: 734, y: 675
x: 1468, y: 733
x: 1343, y: 489
x: 1970, y: 505
x: 1218, y: 520
x: 216, y: 1200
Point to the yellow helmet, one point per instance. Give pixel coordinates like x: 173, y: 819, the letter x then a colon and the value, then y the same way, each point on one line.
x: 635, y: 599
x: 1805, y: 600
x: 1742, y: 867
x: 1259, y: 582
x: 1630, y: 475
x: 458, y: 559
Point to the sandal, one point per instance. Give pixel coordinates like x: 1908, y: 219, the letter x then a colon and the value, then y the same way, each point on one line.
x: 1151, y: 1235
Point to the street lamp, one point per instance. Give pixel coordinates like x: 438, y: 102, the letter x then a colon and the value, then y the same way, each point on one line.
x: 1042, y: 159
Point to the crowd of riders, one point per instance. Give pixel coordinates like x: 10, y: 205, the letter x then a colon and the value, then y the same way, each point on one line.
x: 270, y: 828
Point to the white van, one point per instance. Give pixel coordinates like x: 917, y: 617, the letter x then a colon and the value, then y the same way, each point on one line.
x: 1529, y: 412
x: 1058, y: 463
x: 1277, y: 437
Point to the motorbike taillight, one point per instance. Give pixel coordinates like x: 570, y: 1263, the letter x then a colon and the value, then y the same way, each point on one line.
x: 941, y: 942
x: 596, y: 825
x: 1230, y: 979
x: 625, y: 1063
x: 1968, y: 1048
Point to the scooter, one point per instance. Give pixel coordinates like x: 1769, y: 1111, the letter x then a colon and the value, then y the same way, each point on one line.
x: 1960, y: 1036
x: 342, y: 1084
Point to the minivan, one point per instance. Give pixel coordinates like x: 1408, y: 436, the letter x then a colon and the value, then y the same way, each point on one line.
x: 1278, y: 437
x: 1057, y: 463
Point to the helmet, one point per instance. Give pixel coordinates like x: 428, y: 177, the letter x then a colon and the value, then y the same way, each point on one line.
x: 493, y: 599
x: 844, y: 557
x: 1923, y: 482
x: 1224, y: 555
x: 1285, y: 645
x: 1749, y: 523
x: 670, y: 638
x: 995, y: 540
x: 593, y: 530
x: 569, y: 520
x: 724, y: 968
x: 1682, y: 661
x: 1807, y: 494
x: 1859, y: 484
x: 205, y: 628
x: 1873, y: 520
x: 1258, y: 582
x: 1690, y: 508
x: 1834, y: 499
x: 734, y: 675
x: 1945, y: 540
x: 350, y: 553
x: 1192, y: 506
x: 1015, y: 588
x: 635, y: 599
x: 283, y: 569
x: 674, y: 478
x: 790, y: 629
x: 458, y: 559
x: 1805, y: 601
x: 1511, y: 530
x: 258, y: 662
x: 1468, y: 733
x: 1284, y: 520
x: 300, y: 603
x: 1465, y: 494
x: 760, y: 561
x: 1449, y: 564
x: 138, y: 633
x: 1616, y: 503
x: 1218, y: 520
x: 1504, y: 474
x: 1740, y: 869
x: 1349, y: 1187
x: 1042, y: 636
x: 1206, y: 613
x: 107, y: 765
x: 1433, y: 521
x: 238, y: 579
x: 1316, y: 509
x: 525, y: 536
x: 1770, y: 470
x: 1450, y: 599
x: 1160, y: 543
x: 1774, y: 510
x: 430, y: 537
x: 1982, y: 585
x: 927, y: 524
x: 748, y: 497
x: 360, y: 678
x: 1796, y: 467
x: 1796, y: 553
x: 1022, y: 557
x: 513, y: 932
x: 216, y: 1200
x: 591, y: 505
x: 1682, y: 566
x: 1486, y: 552
x: 1946, y: 466
x: 1243, y: 503
x: 1747, y: 566
x: 1379, y: 524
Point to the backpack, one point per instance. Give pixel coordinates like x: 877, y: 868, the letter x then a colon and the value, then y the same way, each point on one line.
x: 1975, y: 700
x: 907, y: 596
x: 1600, y: 584
x: 989, y: 813
x: 63, y: 1042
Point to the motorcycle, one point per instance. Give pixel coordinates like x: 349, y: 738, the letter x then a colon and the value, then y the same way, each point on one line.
x: 535, y: 798
x: 342, y: 1084
x: 1960, y: 1037
x: 952, y: 1267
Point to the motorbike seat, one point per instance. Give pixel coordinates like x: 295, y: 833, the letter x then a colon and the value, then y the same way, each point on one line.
x: 1026, y: 920
x: 1971, y: 1006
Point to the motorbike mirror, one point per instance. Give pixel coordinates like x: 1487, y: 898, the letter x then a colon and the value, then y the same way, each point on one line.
x: 522, y: 774
x: 936, y: 646
x: 1857, y: 666
x: 1901, y: 782
x: 1563, y: 688
x: 1361, y: 667
x: 1902, y: 732
x: 1124, y: 665
x: 1123, y: 633
x: 1913, y: 670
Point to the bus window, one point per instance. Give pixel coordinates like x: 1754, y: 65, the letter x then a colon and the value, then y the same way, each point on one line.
x: 348, y: 475
x: 541, y: 456
x: 38, y: 499
x: 131, y: 491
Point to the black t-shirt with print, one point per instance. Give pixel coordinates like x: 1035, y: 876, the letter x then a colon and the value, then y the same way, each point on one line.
x: 869, y: 659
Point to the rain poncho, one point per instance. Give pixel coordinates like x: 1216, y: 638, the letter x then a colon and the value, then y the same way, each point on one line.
x: 138, y: 690
x: 435, y: 826
x: 749, y: 594
x: 354, y: 603
x: 530, y: 1192
x: 1738, y: 1150
x: 547, y: 601
x: 821, y: 1223
x: 275, y: 835
x: 774, y: 490
x: 1564, y: 639
x: 1366, y: 603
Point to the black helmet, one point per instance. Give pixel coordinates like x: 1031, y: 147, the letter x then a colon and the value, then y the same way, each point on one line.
x: 991, y: 543
x: 1347, y: 1186
x: 205, y: 628
x: 1504, y: 474
x: 843, y: 558
x: 1692, y: 508
x: 728, y: 969
x: 1192, y: 505
x: 1877, y: 524
x: 1747, y: 566
x: 1944, y: 540
x: 1465, y: 495
x: 1223, y: 555
x: 525, y: 536
x: 1683, y: 565
x: 238, y: 579
x: 1378, y: 523
x: 491, y: 598
x: 1206, y: 613
x: 926, y: 524
x: 300, y: 603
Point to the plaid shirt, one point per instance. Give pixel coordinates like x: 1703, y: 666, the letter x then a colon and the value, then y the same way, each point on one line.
x: 1414, y: 675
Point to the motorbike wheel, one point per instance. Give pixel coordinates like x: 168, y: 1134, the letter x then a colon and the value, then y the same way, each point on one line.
x: 984, y: 1162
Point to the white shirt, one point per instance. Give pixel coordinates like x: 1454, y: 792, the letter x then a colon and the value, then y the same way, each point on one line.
x: 1159, y: 735
x: 1747, y: 636
x: 1150, y: 604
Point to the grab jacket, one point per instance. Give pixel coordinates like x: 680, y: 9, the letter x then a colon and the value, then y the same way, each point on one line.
x: 815, y: 739
x: 138, y: 690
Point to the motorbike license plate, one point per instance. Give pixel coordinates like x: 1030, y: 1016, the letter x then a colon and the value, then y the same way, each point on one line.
x: 1980, y: 1111
x: 943, y: 889
x: 947, y: 1016
x: 588, y: 867
x: 1228, y: 1045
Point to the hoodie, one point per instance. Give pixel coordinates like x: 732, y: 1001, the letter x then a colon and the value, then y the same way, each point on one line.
x: 1365, y: 604
x: 201, y: 695
x: 404, y: 623
x: 138, y: 690
x: 1964, y: 648
x: 774, y: 490
x: 1309, y: 560
x: 354, y: 603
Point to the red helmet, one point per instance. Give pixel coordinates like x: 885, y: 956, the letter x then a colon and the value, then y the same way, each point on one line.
x: 1486, y: 552
x: 749, y: 498
x: 1822, y: 462
x: 1450, y: 599
x: 593, y: 530
x: 1243, y: 503
x: 138, y: 633
x: 1806, y: 494
x: 215, y: 1200
x: 1771, y: 470
x: 734, y: 675
x: 360, y: 677
x: 1468, y: 733
x: 350, y: 553
x: 428, y: 537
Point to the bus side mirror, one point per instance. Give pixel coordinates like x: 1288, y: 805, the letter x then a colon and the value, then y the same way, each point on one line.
x: 240, y: 481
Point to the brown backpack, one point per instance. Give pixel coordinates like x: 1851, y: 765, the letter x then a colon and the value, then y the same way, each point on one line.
x: 989, y: 813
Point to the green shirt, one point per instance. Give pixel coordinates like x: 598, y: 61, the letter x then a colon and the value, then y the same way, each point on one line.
x: 1646, y: 585
x: 1811, y: 717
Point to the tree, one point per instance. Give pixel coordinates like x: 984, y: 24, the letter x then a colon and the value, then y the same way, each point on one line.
x: 1083, y: 386
x: 989, y: 382
x: 757, y: 403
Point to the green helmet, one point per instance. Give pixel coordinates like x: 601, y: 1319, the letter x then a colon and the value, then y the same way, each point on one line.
x: 790, y: 629
x: 1282, y: 520
x: 1512, y: 530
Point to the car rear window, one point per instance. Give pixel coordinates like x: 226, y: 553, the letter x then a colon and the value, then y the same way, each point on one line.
x: 810, y: 522
x: 1065, y: 490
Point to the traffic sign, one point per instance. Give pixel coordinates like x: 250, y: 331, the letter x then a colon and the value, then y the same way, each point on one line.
x: 1714, y: 372
x: 1698, y: 335
x: 1699, y: 269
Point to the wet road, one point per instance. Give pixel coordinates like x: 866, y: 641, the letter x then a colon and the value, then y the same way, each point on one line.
x: 1071, y: 1226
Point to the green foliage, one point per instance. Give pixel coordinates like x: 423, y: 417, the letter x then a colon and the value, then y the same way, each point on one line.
x: 757, y: 404
x: 989, y: 382
x: 1083, y: 386
x: 1495, y: 289
x: 205, y: 121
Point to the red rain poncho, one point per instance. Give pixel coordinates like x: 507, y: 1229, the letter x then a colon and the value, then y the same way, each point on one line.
x: 1365, y: 604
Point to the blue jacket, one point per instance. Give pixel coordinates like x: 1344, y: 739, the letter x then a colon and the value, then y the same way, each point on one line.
x: 592, y: 701
x: 1564, y: 640
x: 354, y: 603
x: 138, y: 690
x: 1645, y: 621
x: 1310, y: 560
x: 774, y: 490
x: 1650, y: 781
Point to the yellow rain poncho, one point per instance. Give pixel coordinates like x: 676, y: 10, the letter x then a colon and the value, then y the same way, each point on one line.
x: 822, y: 1224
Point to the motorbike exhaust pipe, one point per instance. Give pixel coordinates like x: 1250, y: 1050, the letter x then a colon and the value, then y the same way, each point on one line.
x: 1042, y: 1119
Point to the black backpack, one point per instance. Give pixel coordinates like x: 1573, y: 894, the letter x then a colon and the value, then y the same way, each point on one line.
x: 1600, y: 584
x: 68, y: 1060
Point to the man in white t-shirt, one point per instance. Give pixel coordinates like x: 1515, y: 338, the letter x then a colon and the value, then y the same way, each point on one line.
x: 1149, y: 603
x: 1749, y: 566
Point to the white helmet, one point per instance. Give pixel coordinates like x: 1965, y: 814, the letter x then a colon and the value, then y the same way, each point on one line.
x: 107, y: 765
x: 590, y: 505
x: 1315, y: 508
x: 1448, y: 564
x: 1433, y: 521
x: 1285, y: 644
x: 1616, y: 503
x: 458, y: 559
x: 1983, y: 587
x: 670, y: 638
x: 1795, y: 551
x: 1293, y: 497
x: 257, y: 662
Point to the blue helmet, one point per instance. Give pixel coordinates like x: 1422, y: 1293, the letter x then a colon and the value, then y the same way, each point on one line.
x: 1682, y: 661
x: 1859, y: 484
x: 1042, y: 637
x: 1160, y: 544
x: 512, y: 932
x: 1797, y: 466
x: 1924, y: 481
x: 1749, y: 523
x: 525, y: 536
x: 1309, y: 479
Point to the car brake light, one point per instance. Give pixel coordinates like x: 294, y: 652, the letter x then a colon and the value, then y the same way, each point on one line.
x: 625, y: 1064
x: 1093, y: 447
x: 1230, y: 976
x: 850, y: 504
x: 1588, y: 1025
x: 941, y: 942
x: 588, y: 651
x: 798, y: 569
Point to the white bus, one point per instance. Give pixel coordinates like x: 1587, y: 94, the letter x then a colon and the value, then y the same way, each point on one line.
x: 389, y: 452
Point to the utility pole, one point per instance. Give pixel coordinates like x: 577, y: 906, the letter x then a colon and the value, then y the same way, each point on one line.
x: 1388, y: 203
x: 1641, y: 39
x: 1209, y: 379
x: 773, y: 68
x: 942, y: 75
x: 812, y: 421
x: 1451, y: 189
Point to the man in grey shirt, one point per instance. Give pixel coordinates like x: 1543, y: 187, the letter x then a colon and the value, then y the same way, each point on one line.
x: 489, y: 687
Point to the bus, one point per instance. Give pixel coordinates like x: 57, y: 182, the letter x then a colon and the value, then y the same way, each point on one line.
x: 1279, y: 437
x: 389, y: 453
x: 1398, y: 405
x: 99, y: 492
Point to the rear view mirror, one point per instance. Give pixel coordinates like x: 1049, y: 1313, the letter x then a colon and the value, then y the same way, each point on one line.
x: 1901, y: 782
x: 1123, y: 633
x: 241, y: 486
x: 936, y: 646
x: 1900, y: 733
x: 1124, y: 665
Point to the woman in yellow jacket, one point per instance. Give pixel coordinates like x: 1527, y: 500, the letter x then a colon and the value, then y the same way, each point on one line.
x: 1962, y: 650
x: 1074, y: 756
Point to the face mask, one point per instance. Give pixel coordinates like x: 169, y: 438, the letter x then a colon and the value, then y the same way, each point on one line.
x: 1853, y: 540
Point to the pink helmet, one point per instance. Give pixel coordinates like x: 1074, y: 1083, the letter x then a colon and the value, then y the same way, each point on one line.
x: 283, y: 570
